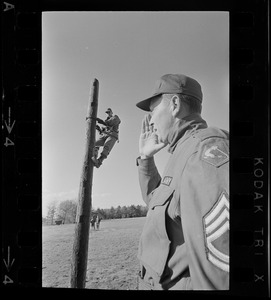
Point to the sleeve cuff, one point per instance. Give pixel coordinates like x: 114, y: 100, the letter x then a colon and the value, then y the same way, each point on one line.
x: 146, y: 164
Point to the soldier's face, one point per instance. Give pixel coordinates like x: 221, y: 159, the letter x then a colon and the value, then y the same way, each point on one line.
x: 161, y: 117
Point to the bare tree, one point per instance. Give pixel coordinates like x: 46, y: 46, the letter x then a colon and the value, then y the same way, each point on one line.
x: 52, y: 208
x: 73, y: 211
x: 67, y: 211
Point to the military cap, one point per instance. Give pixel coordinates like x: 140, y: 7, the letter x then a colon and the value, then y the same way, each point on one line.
x: 108, y: 110
x: 173, y: 84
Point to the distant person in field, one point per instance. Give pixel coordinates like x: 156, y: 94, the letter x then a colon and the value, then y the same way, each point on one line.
x: 108, y: 137
x: 98, y: 221
x: 92, y: 222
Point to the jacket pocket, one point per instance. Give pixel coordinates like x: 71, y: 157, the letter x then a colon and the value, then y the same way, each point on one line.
x: 154, y: 243
x: 161, y: 195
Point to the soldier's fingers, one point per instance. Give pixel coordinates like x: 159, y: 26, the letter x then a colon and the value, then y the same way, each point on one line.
x: 149, y: 122
x: 148, y: 118
x: 151, y: 125
x: 145, y: 124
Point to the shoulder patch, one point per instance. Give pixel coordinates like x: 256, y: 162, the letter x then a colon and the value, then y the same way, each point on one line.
x: 167, y: 180
x: 216, y: 226
x: 215, y: 156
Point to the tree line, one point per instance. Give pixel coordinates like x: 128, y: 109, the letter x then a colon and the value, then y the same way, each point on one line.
x: 65, y: 212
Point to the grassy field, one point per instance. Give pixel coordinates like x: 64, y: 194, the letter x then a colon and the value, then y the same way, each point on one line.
x: 112, y: 255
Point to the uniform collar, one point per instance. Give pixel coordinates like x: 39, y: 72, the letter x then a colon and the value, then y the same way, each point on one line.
x: 183, y: 128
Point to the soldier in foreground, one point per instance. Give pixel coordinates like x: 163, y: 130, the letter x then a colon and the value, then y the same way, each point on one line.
x: 185, y: 240
x: 108, y: 137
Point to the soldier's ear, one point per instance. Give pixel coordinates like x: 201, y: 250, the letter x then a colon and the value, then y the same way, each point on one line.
x: 176, y: 105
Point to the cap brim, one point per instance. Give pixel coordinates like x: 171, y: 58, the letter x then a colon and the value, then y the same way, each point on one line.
x: 145, y: 104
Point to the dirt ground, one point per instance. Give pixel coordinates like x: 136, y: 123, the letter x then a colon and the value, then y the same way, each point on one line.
x: 112, y: 255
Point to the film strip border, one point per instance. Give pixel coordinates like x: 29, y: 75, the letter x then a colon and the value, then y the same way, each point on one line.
x: 21, y: 144
x: 249, y: 96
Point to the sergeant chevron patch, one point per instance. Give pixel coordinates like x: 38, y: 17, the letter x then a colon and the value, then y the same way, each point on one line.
x: 216, y: 228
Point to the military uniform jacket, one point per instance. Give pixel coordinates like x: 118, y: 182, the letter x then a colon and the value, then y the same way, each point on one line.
x: 112, y: 124
x: 185, y: 240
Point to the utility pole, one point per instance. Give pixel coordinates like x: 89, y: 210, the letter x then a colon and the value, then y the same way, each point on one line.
x: 81, y: 237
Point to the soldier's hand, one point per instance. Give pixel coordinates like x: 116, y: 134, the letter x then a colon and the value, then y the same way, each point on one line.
x: 148, y: 141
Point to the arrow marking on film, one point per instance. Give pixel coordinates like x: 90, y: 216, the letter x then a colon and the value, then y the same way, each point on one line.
x: 9, y: 128
x: 8, y: 264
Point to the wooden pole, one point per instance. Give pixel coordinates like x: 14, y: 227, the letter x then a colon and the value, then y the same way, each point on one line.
x: 81, y: 237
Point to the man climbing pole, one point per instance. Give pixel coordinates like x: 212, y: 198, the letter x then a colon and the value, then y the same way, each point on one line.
x: 108, y: 137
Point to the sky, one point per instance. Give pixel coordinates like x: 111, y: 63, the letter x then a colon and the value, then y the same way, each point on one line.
x: 127, y: 52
